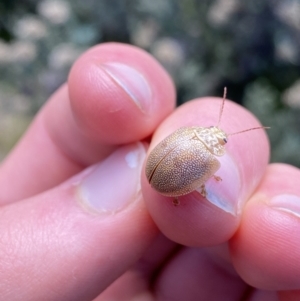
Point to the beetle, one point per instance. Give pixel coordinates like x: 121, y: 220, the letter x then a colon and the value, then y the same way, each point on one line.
x: 186, y: 159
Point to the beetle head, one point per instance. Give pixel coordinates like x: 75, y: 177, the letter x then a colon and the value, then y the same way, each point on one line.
x: 214, y: 139
x: 219, y: 134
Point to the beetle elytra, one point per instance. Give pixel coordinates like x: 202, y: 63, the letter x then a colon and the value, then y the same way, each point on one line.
x: 186, y: 159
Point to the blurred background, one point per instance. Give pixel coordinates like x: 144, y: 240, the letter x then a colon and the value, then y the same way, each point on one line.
x: 252, y: 47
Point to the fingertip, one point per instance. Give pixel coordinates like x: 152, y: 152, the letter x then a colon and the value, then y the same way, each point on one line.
x: 199, y: 221
x: 86, y: 119
x: 265, y: 250
x: 119, y: 93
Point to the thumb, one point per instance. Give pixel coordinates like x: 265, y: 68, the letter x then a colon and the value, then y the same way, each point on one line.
x: 71, y: 242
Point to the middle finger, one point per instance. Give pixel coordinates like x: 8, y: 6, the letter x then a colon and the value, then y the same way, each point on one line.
x: 200, y: 221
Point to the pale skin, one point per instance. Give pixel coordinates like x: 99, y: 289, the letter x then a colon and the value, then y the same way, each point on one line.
x: 123, y: 256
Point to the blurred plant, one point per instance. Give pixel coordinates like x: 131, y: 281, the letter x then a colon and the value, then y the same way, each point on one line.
x: 249, y: 46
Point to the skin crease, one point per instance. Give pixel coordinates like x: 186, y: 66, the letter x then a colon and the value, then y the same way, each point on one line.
x: 54, y: 248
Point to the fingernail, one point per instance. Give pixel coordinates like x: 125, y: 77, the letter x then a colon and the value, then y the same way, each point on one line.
x: 225, y: 194
x: 114, y: 183
x: 133, y: 83
x: 287, y: 202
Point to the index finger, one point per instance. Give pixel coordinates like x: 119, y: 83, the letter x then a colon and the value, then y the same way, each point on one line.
x: 200, y: 221
x: 116, y: 94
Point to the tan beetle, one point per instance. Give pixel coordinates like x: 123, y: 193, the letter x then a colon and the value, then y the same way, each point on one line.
x: 185, y: 160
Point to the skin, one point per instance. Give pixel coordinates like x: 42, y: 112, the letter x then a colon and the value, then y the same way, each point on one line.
x: 54, y: 249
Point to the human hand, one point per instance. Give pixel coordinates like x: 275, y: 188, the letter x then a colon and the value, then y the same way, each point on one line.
x: 73, y: 232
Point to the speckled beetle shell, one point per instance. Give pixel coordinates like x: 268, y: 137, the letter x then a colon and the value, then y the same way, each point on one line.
x: 185, y: 160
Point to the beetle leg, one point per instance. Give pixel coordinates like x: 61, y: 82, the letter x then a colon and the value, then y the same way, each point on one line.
x: 176, y: 202
x: 217, y: 178
x: 203, y: 190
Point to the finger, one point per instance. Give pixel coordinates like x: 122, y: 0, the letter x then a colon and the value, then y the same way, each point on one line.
x: 116, y: 94
x: 202, y: 222
x: 135, y: 283
x: 195, y: 275
x: 261, y: 295
x: 205, y: 274
x: 266, y: 248
x: 289, y: 295
x: 71, y: 242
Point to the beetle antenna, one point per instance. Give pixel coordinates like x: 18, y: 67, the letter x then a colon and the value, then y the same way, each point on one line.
x: 257, y: 128
x: 222, y: 106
